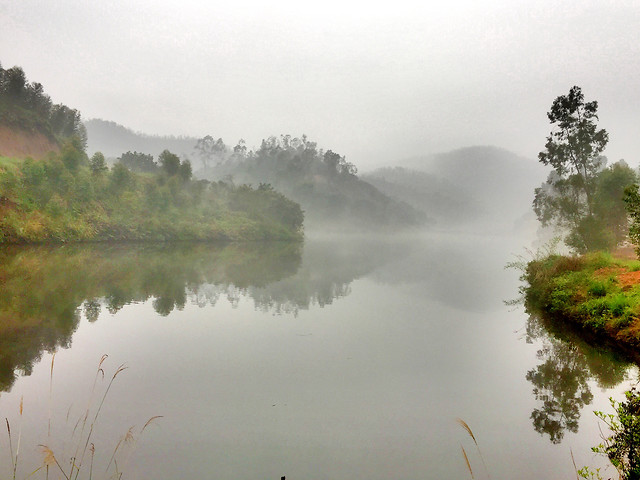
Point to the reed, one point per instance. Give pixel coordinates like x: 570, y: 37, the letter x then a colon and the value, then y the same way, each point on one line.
x: 81, y: 448
x: 467, y: 428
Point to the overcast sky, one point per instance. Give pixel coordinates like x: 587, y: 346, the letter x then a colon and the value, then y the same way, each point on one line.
x: 375, y: 81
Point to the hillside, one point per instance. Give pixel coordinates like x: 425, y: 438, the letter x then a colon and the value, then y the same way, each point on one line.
x: 499, y: 180
x: 51, y: 191
x: 31, y: 125
x: 483, y: 186
x: 439, y: 199
x: 113, y: 140
x: 324, y: 183
x: 18, y: 143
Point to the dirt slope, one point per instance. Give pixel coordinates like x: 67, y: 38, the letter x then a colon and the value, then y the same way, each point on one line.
x: 20, y: 143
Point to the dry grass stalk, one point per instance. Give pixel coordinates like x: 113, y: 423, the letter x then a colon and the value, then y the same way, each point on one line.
x: 464, y: 425
x: 149, y: 422
x: 467, y: 428
x: 99, y: 372
x: 575, y: 467
x: 50, y: 460
x: 466, y: 459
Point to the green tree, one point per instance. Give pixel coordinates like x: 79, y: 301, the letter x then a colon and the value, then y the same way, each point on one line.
x: 609, y: 205
x: 574, y: 150
x: 98, y: 164
x: 138, y: 162
x: 210, y: 150
x: 169, y: 162
x: 121, y: 178
x: 185, y: 170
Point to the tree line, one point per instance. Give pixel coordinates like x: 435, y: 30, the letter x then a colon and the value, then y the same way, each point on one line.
x: 24, y: 104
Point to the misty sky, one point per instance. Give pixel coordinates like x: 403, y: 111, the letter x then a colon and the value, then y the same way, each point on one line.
x: 375, y: 81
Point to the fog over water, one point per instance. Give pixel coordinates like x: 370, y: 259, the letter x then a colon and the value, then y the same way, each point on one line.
x: 375, y: 81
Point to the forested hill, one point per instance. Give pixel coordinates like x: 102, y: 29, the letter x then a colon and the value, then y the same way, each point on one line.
x: 324, y: 183
x: 30, y: 123
x: 113, y: 139
x: 65, y: 196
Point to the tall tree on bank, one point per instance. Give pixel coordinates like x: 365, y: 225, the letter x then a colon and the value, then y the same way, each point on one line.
x: 574, y: 150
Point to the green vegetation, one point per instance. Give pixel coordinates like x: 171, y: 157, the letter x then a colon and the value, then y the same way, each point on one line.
x: 69, y: 197
x: 596, y: 292
x: 24, y: 105
x: 323, y: 182
x: 622, y: 447
x: 66, y: 198
x: 581, y: 196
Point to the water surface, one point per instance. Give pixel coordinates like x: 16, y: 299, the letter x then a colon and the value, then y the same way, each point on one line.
x: 337, y: 359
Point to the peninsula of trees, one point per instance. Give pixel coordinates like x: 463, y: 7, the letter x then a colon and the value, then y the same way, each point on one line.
x: 62, y: 195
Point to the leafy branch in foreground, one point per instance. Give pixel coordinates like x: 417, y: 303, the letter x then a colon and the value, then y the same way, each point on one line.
x: 622, y: 447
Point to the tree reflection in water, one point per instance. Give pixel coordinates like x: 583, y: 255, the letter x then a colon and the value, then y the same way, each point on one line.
x: 561, y: 380
x: 44, y: 290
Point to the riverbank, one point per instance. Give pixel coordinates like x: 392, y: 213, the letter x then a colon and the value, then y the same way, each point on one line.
x: 598, y: 293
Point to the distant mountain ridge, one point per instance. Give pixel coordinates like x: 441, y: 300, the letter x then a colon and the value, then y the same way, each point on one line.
x: 113, y: 139
x: 484, y: 184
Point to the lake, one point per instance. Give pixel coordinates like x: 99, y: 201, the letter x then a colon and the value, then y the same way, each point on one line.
x: 339, y: 358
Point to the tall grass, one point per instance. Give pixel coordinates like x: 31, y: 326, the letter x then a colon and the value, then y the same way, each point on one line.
x: 77, y: 460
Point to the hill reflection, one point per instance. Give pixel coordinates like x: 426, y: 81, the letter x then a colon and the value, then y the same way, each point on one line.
x: 46, y: 290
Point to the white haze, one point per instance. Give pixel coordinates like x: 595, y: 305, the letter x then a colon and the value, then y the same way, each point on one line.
x: 375, y: 81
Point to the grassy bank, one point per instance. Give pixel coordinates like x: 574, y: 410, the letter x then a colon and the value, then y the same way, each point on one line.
x: 596, y: 292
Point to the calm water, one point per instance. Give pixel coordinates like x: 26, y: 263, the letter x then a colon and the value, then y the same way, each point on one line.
x: 339, y: 359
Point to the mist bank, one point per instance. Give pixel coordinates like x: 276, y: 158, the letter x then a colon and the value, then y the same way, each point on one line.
x: 112, y: 140
x: 484, y: 187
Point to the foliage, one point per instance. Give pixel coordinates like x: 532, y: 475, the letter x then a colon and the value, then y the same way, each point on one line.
x: 138, y: 162
x: 324, y: 183
x: 589, y: 292
x: 622, y: 447
x: 25, y: 105
x: 632, y: 205
x: 170, y: 162
x: 67, y: 198
x: 580, y: 195
x: 210, y: 150
x: 98, y: 164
